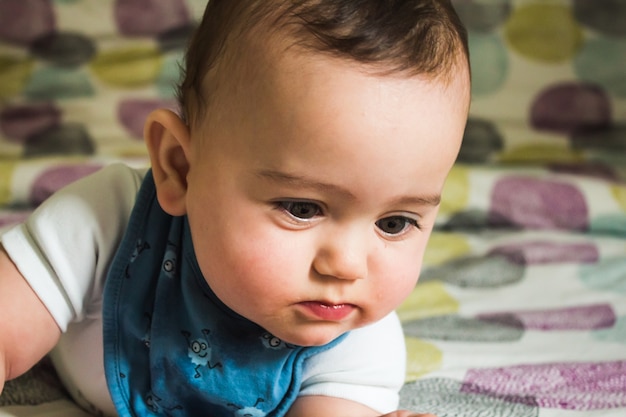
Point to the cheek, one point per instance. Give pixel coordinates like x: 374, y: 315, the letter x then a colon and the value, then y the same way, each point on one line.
x: 251, y: 262
x: 397, y: 275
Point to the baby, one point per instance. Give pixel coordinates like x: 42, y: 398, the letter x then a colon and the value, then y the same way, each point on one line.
x: 255, y: 268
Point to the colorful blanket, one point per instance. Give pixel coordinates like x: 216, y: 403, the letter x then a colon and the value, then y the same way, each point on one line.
x: 521, y: 306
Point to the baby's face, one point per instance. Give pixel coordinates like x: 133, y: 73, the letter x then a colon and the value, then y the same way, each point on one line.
x: 312, y: 196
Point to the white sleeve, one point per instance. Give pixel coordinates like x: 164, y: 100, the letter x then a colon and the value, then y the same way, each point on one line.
x: 65, y: 247
x: 368, y: 367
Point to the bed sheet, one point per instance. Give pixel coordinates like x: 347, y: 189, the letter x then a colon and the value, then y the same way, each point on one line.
x: 520, y: 309
x: 521, y: 306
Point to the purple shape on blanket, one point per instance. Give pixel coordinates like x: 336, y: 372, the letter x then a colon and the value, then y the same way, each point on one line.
x: 56, y: 177
x: 590, y: 317
x: 10, y: 218
x: 22, y: 121
x: 22, y: 22
x: 535, y: 203
x: 571, y: 107
x: 569, y: 386
x: 132, y: 113
x: 543, y: 252
x: 150, y: 17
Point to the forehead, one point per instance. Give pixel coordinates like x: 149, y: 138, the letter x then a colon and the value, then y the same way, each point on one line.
x: 312, y: 115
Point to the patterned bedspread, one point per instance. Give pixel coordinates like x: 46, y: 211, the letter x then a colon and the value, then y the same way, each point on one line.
x: 521, y: 306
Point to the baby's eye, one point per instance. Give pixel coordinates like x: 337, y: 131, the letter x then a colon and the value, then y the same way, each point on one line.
x: 395, y: 225
x: 301, y: 210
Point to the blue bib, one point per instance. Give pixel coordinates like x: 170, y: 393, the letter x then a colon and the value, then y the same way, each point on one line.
x: 171, y: 347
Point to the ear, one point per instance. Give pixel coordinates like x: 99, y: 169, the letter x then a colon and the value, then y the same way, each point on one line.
x: 167, y: 140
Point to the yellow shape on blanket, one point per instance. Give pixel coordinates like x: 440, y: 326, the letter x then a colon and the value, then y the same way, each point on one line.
x: 456, y: 191
x: 13, y: 75
x: 619, y: 193
x: 422, y: 358
x: 541, y: 153
x: 7, y: 169
x: 444, y: 246
x: 427, y: 299
x: 128, y: 67
x: 545, y: 32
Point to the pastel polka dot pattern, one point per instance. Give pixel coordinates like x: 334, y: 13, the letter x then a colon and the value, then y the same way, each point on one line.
x: 547, y: 153
x: 454, y: 196
x: 619, y: 192
x: 589, y: 317
x: 132, y: 113
x: 51, y: 83
x: 56, y: 177
x: 476, y: 272
x: 489, y: 61
x: 610, y: 75
x: 571, y: 107
x: 480, y: 140
x: 443, y: 247
x: 482, y: 16
x: 67, y: 139
x: 564, y: 385
x: 128, y: 67
x: 20, y: 122
x: 6, y: 174
x: 611, y: 224
x: 554, y: 69
x: 126, y: 51
x: 14, y: 73
x: 606, y: 274
x: 24, y: 21
x: 150, y: 17
x: 533, y: 203
x: 448, y: 397
x: 536, y: 252
x: 519, y: 310
x: 456, y: 328
x: 615, y: 334
x: 422, y: 358
x: 607, y: 19
x: 428, y: 299
x: 64, y: 49
x: 544, y: 32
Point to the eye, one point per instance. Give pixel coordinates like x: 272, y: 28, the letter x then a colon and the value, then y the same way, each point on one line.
x: 395, y: 225
x: 301, y: 210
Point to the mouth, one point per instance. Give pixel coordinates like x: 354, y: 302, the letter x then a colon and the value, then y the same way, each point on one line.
x: 322, y: 310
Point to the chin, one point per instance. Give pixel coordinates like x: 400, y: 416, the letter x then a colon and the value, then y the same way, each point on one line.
x: 310, y: 338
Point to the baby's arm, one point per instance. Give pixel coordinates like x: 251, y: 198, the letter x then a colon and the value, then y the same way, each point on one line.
x: 316, y: 406
x: 27, y: 330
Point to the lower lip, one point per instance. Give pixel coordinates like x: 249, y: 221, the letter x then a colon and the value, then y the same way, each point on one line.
x: 328, y: 312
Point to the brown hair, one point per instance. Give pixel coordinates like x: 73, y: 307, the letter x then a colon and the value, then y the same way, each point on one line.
x: 407, y: 36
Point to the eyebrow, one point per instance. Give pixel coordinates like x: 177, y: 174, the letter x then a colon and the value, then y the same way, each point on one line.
x: 298, y: 181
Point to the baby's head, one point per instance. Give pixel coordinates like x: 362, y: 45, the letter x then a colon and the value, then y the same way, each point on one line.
x: 310, y: 159
x: 407, y: 37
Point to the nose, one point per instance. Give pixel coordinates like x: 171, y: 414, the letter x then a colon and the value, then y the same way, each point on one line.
x: 342, y: 255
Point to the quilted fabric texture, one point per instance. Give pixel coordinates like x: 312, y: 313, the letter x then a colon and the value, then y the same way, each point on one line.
x: 548, y: 82
x: 521, y: 306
